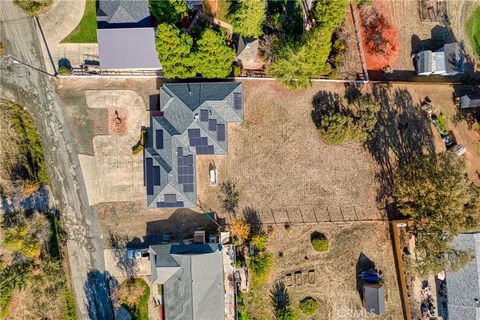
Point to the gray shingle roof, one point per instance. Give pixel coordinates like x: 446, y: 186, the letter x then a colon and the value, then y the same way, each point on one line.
x: 192, y: 277
x: 130, y: 48
x: 463, y: 286
x: 470, y: 101
x: 453, y: 57
x: 122, y: 12
x: 194, y: 121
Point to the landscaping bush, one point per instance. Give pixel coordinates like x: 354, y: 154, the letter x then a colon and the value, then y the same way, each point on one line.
x: 34, y: 7
x: 309, y: 306
x: 379, y: 38
x: 240, y: 229
x: 473, y: 31
x: 230, y: 196
x: 64, y: 71
x: 259, y: 242
x: 261, y: 266
x: 319, y: 242
x: 286, y: 314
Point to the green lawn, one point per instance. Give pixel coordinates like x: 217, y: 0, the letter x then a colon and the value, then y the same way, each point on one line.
x: 473, y: 31
x: 139, y: 311
x: 86, y: 31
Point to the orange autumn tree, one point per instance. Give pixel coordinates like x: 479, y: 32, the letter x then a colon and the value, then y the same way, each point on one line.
x: 240, y: 229
x: 379, y: 37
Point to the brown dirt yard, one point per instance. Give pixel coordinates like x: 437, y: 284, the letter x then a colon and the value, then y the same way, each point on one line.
x: 352, y: 248
x: 279, y: 163
x: 413, y: 33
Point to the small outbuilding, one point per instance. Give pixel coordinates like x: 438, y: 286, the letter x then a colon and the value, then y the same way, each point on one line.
x: 374, y: 297
x: 470, y: 101
x: 446, y: 61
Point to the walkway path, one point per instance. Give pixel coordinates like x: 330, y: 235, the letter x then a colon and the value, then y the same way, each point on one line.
x: 57, y: 23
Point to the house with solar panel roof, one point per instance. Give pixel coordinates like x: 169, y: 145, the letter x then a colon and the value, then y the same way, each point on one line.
x: 192, y: 121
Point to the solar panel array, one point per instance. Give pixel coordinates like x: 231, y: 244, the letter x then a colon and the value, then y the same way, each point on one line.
x: 204, y: 115
x: 238, y: 100
x: 220, y: 132
x: 159, y: 138
x: 152, y: 175
x: 185, y: 171
x: 170, y: 202
x: 212, y: 124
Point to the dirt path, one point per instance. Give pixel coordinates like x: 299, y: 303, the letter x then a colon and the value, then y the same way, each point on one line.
x: 34, y: 90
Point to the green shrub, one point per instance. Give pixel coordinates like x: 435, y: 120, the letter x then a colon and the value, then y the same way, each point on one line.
x: 70, y: 313
x: 236, y: 71
x: 286, y: 314
x: 34, y: 7
x: 319, y: 242
x: 64, y: 71
x: 309, y: 306
x: 170, y: 11
x: 261, y: 266
x: 259, y: 242
x: 133, y: 295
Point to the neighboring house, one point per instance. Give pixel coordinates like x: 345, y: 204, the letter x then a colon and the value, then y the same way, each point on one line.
x: 247, y: 54
x: 193, y: 121
x: 470, y: 101
x: 192, y: 279
x: 123, y: 14
x: 463, y: 287
x: 374, y: 297
x: 447, y: 61
x: 126, y: 37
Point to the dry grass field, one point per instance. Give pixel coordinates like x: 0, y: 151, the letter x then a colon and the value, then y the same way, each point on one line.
x: 352, y: 249
x: 279, y: 163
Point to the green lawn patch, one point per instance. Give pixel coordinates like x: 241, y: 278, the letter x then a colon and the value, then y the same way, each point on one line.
x: 139, y: 309
x: 473, y: 31
x: 86, y: 31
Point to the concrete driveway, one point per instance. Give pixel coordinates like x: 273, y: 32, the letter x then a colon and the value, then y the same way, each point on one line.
x: 57, y: 23
x: 113, y: 173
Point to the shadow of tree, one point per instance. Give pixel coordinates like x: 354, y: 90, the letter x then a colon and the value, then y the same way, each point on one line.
x: 97, y: 291
x: 253, y: 219
x: 403, y: 133
x: 127, y: 265
x: 324, y: 102
x: 279, y: 295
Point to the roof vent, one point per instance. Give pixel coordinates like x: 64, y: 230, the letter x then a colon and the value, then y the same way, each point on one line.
x: 195, y: 117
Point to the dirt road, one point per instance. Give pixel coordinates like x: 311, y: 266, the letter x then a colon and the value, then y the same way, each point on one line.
x: 35, y: 91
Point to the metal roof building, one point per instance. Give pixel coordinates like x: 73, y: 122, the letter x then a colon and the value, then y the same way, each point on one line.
x: 192, y: 278
x: 470, y: 101
x: 374, y: 297
x: 447, y: 61
x: 193, y: 122
x: 130, y: 48
x: 463, y: 287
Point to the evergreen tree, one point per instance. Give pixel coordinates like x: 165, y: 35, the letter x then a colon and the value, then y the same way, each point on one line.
x: 169, y: 11
x: 174, y: 52
x: 248, y: 17
x: 329, y: 14
x: 214, y: 57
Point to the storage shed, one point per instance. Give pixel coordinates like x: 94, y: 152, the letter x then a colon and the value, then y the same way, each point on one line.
x: 374, y: 297
x: 470, y: 101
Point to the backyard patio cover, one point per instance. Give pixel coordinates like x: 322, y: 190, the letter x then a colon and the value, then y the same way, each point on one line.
x: 129, y: 48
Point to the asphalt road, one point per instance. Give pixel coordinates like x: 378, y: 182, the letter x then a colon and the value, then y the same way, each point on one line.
x: 35, y: 91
